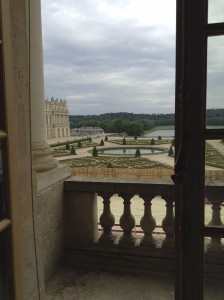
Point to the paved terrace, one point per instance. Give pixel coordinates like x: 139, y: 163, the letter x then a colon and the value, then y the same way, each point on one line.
x: 71, y: 284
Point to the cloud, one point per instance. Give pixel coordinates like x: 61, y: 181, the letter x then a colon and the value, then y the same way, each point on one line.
x: 215, y: 73
x: 109, y: 56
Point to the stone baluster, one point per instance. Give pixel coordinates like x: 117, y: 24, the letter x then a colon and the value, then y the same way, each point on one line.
x: 107, y: 219
x: 168, y: 222
x: 147, y: 222
x: 127, y: 221
x: 215, y: 242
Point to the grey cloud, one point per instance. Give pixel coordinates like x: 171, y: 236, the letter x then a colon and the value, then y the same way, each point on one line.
x: 100, y: 66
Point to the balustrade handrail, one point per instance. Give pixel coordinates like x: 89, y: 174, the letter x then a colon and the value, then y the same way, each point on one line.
x: 137, y: 186
x: 116, y: 185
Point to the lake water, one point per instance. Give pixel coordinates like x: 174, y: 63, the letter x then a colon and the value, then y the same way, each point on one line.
x: 129, y: 151
x: 162, y: 133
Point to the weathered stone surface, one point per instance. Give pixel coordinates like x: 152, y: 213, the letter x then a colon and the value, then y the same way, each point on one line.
x: 52, y: 224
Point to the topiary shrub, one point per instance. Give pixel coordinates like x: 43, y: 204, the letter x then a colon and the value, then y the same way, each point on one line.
x: 109, y: 165
x: 102, y: 143
x: 170, y: 152
x: 94, y: 152
x: 73, y: 150
x: 137, y: 153
x: 152, y: 141
x: 67, y: 147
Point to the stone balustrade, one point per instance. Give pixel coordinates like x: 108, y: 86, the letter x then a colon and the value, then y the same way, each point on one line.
x: 215, y: 195
x: 85, y: 188
x: 82, y: 220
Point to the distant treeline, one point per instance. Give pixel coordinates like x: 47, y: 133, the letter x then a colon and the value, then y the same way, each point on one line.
x: 135, y: 124
x: 215, y: 117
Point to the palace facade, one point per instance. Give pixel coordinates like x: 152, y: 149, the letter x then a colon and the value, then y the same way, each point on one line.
x: 87, y: 131
x: 57, y: 118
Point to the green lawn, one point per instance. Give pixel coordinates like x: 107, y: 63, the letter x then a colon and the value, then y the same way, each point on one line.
x: 168, y: 127
x: 172, y: 127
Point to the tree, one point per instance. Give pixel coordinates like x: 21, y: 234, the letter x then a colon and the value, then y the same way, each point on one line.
x: 137, y: 153
x: 148, y: 124
x: 124, y: 141
x: 119, y: 126
x: 79, y: 144
x: 159, y: 137
x: 67, y: 147
x: 73, y: 150
x: 94, y: 152
x: 90, y: 139
x: 109, y: 165
x: 102, y: 143
x: 152, y: 141
x: 107, y: 125
x: 170, y: 152
x: 106, y: 138
x: 134, y: 128
x: 91, y: 123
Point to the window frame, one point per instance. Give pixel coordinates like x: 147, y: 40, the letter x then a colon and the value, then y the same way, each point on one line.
x: 11, y: 223
x: 191, y: 133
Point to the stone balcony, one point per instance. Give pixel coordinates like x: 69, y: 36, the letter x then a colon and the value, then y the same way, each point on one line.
x: 130, y: 249
x: 97, y: 256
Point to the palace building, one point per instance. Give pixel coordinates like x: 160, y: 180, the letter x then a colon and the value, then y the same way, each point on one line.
x: 87, y: 131
x: 57, y: 118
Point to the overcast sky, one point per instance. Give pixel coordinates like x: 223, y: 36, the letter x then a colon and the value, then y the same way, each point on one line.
x: 110, y: 55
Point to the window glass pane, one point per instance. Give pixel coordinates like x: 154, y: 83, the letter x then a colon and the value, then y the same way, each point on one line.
x: 214, y: 216
x: 215, y: 11
x: 214, y: 183
x: 215, y: 82
x: 213, y: 271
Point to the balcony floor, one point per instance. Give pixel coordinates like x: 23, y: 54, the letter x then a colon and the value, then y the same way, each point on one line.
x: 69, y: 284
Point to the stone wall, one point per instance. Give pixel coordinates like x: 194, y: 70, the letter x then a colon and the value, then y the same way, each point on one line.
x: 52, y: 226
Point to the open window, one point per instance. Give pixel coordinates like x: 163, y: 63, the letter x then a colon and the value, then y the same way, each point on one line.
x: 199, y: 69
